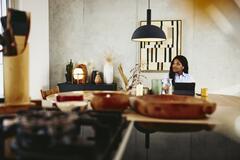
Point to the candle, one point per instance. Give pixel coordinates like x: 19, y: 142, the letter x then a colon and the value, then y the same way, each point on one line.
x: 204, y: 92
x: 139, y: 90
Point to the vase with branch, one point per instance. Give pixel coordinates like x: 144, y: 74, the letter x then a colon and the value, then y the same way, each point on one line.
x: 108, y: 69
x: 136, y: 78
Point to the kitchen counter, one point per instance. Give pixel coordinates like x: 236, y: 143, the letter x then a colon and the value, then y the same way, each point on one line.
x: 8, y: 109
x: 187, y: 141
x: 217, y: 137
x: 190, y: 143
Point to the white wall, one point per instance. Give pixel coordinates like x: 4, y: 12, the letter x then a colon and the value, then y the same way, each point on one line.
x: 1, y: 77
x: 83, y: 30
x: 3, y: 13
x: 39, y: 44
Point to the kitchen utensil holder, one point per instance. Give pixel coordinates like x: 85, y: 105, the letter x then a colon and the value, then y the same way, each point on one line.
x: 16, y: 78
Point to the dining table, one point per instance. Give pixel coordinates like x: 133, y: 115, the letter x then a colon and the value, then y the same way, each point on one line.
x: 214, y: 137
x: 227, y: 114
x: 226, y: 105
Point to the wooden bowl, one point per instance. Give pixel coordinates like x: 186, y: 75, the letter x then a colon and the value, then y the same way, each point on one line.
x: 172, y: 106
x: 111, y: 101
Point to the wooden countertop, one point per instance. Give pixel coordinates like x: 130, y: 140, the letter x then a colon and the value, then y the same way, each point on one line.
x: 226, y: 118
x: 9, y: 109
x: 225, y: 104
x: 224, y: 100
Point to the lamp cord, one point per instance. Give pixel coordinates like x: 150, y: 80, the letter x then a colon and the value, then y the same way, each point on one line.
x: 148, y: 14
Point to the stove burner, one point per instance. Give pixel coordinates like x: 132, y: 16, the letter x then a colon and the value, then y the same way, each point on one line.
x: 50, y: 135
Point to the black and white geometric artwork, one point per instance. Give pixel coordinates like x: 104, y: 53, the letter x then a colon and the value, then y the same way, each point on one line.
x: 157, y: 56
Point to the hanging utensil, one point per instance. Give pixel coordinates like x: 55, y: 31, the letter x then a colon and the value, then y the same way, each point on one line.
x: 16, y: 26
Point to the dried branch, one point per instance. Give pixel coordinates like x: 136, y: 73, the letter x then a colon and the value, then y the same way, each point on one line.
x: 136, y: 77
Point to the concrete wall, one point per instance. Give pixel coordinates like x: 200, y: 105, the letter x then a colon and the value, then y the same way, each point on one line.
x: 83, y: 30
x: 39, y: 44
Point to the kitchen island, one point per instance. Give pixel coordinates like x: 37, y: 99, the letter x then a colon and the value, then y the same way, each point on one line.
x: 217, y: 137
x: 169, y: 141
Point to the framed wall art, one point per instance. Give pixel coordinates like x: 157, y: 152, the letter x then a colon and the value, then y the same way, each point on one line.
x: 157, y: 56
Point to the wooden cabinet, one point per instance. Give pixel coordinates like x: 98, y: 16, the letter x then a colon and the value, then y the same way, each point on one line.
x: 64, y: 87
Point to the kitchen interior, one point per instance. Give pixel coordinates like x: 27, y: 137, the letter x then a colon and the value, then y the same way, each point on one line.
x: 60, y: 104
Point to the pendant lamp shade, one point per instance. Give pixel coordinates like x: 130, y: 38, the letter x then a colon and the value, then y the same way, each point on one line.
x: 148, y: 32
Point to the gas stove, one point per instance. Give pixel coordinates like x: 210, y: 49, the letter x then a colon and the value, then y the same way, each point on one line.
x: 54, y: 135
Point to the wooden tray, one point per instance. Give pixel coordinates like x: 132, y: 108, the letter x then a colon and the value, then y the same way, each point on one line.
x: 172, y: 106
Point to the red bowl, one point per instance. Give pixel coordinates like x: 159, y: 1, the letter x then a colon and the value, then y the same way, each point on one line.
x: 110, y: 101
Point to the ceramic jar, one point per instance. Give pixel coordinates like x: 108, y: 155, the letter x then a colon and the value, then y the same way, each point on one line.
x: 98, y: 78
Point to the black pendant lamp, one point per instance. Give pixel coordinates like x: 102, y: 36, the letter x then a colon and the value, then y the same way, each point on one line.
x: 149, y: 33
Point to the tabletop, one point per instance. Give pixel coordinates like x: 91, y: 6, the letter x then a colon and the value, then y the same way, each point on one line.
x: 227, y: 112
x: 215, y: 138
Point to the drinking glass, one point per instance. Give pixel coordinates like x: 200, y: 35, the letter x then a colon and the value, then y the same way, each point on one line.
x: 156, y: 86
